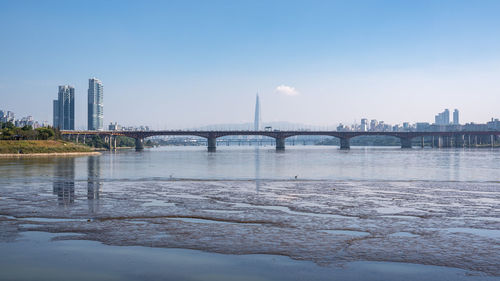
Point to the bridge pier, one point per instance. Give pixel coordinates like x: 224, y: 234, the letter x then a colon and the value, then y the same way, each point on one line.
x: 447, y: 142
x: 139, y: 144
x: 212, y: 144
x: 405, y: 142
x: 459, y: 141
x: 345, y: 143
x: 110, y: 143
x: 280, y: 143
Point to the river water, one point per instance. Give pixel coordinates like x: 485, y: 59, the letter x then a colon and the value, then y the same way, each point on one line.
x: 252, y: 213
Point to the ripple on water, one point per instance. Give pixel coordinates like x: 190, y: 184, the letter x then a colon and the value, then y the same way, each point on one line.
x: 403, y: 234
x: 197, y: 220
x: 346, y: 232
x: 489, y: 233
x: 158, y: 203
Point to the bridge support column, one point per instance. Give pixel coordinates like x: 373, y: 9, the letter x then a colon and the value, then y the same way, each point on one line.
x: 280, y: 143
x: 439, y: 142
x: 212, y: 144
x: 405, y: 142
x: 345, y: 143
x: 139, y: 144
x: 422, y: 142
x: 447, y: 142
x: 459, y: 141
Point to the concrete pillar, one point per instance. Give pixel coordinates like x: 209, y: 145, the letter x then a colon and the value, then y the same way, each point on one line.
x: 459, y: 141
x: 405, y: 142
x: 84, y: 137
x: 432, y: 142
x: 77, y: 138
x: 345, y: 143
x: 139, y: 144
x: 422, y: 142
x: 114, y: 140
x: 492, y: 140
x: 280, y: 143
x: 212, y: 144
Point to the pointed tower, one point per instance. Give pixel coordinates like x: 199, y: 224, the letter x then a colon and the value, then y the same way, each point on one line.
x: 257, y: 114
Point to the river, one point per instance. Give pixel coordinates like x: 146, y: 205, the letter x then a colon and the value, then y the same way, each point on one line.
x: 252, y: 213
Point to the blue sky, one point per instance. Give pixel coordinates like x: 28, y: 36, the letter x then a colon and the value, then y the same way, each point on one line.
x: 175, y: 64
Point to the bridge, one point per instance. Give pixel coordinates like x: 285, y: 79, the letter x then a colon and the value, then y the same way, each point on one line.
x: 439, y: 139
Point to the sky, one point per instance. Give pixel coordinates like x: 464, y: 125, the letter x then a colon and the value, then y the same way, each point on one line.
x: 182, y: 64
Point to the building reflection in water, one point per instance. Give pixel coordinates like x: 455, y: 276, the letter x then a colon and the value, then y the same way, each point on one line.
x: 257, y: 169
x: 64, y: 181
x: 93, y: 183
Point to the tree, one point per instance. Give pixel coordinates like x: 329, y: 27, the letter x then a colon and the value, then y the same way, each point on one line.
x: 27, y: 128
x: 8, y: 125
x: 45, y: 133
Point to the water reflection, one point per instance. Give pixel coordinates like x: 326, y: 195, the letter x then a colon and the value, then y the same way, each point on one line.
x: 257, y: 169
x: 64, y: 181
x: 94, y: 183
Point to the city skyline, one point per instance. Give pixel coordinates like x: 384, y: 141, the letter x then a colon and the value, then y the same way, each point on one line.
x: 183, y: 65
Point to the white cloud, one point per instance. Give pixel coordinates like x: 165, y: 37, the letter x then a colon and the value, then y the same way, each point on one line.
x: 286, y: 90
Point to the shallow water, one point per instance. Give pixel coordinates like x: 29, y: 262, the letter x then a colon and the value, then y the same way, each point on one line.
x: 361, y: 214
x: 87, y: 260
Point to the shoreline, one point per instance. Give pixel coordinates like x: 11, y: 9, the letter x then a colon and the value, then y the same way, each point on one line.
x: 15, y: 155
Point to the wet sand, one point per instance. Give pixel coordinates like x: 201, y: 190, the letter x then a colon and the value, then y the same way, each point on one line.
x: 452, y: 224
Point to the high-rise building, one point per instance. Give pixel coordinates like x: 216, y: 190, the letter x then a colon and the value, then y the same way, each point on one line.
x: 64, y: 108
x: 95, y: 105
x: 364, y: 125
x: 442, y: 118
x: 373, y: 125
x: 55, y: 113
x: 456, y: 120
x: 257, y: 120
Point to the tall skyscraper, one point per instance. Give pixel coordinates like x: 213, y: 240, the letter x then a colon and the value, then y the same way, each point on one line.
x: 456, y: 120
x: 95, y: 105
x: 64, y: 108
x: 256, y: 124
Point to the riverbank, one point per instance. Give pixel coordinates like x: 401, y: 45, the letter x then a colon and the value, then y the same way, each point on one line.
x: 16, y: 148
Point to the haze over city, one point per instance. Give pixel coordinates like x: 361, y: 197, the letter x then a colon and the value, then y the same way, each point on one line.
x: 187, y: 64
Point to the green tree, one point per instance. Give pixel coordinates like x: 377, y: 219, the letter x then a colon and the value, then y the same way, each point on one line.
x: 44, y: 133
x: 27, y: 128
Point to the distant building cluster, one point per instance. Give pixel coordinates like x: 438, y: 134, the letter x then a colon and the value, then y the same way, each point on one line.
x: 443, y: 118
x: 441, y: 124
x: 9, y: 116
x: 117, y: 127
